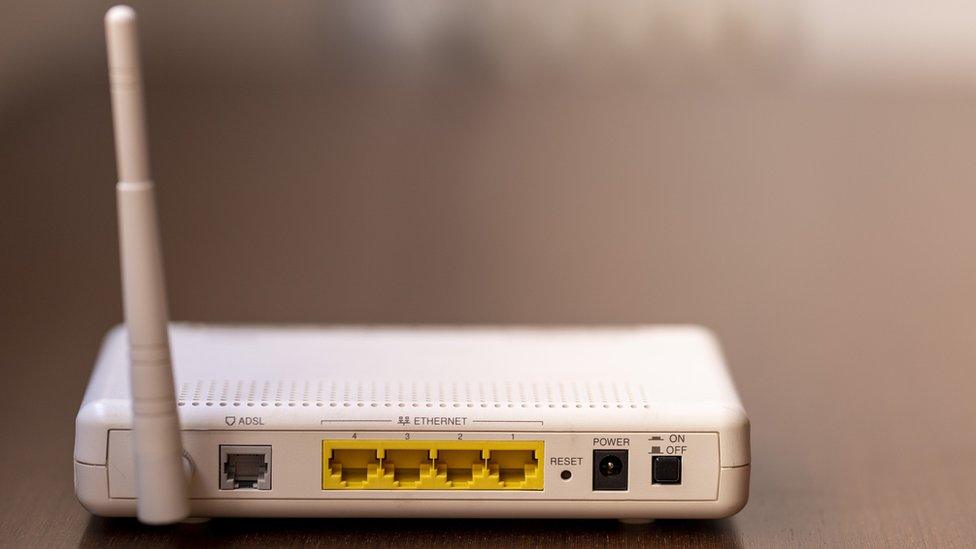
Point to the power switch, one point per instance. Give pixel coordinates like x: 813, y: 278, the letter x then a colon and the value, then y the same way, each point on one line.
x: 666, y: 470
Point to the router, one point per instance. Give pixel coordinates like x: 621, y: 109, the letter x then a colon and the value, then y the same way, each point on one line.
x: 633, y: 423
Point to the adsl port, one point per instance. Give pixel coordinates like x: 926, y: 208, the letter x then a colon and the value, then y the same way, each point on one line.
x: 245, y: 467
x: 432, y: 465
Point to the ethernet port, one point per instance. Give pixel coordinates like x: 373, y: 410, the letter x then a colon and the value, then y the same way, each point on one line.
x: 512, y: 466
x: 245, y: 467
x: 407, y: 466
x: 458, y: 465
x: 353, y: 465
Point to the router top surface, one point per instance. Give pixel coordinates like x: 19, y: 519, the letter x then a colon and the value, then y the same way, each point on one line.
x: 478, y: 378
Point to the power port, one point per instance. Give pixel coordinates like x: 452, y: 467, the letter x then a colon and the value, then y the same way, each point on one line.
x: 245, y: 467
x: 610, y: 469
x: 666, y: 470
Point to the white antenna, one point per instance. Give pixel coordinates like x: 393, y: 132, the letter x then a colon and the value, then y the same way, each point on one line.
x: 161, y: 489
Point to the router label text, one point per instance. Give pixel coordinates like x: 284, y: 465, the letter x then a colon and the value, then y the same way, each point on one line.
x: 611, y: 441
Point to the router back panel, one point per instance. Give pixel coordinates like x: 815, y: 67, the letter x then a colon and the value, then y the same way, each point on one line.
x: 635, y: 423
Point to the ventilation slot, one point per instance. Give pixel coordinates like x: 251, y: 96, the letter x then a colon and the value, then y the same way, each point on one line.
x: 420, y: 394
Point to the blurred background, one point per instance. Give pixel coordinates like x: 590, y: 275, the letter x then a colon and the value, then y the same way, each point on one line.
x: 797, y: 176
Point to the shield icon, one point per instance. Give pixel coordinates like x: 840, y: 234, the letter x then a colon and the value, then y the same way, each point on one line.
x: 230, y: 420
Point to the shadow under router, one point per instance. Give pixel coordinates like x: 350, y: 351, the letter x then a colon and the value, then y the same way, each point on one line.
x: 632, y: 423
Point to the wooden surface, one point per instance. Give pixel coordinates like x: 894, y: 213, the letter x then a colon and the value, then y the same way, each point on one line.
x: 826, y: 235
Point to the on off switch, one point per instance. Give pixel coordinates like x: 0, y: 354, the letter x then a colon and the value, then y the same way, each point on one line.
x: 666, y: 470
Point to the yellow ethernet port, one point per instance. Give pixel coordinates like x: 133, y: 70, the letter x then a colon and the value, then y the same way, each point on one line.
x: 407, y: 466
x: 355, y: 466
x: 432, y: 464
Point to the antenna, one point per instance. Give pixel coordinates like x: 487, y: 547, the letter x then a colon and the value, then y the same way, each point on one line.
x: 161, y: 491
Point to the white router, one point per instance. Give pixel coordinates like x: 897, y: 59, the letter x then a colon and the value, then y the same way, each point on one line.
x: 633, y: 423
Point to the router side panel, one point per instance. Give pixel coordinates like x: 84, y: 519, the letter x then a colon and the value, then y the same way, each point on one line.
x: 106, y: 404
x: 729, y: 415
x: 91, y: 487
x: 735, y: 434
